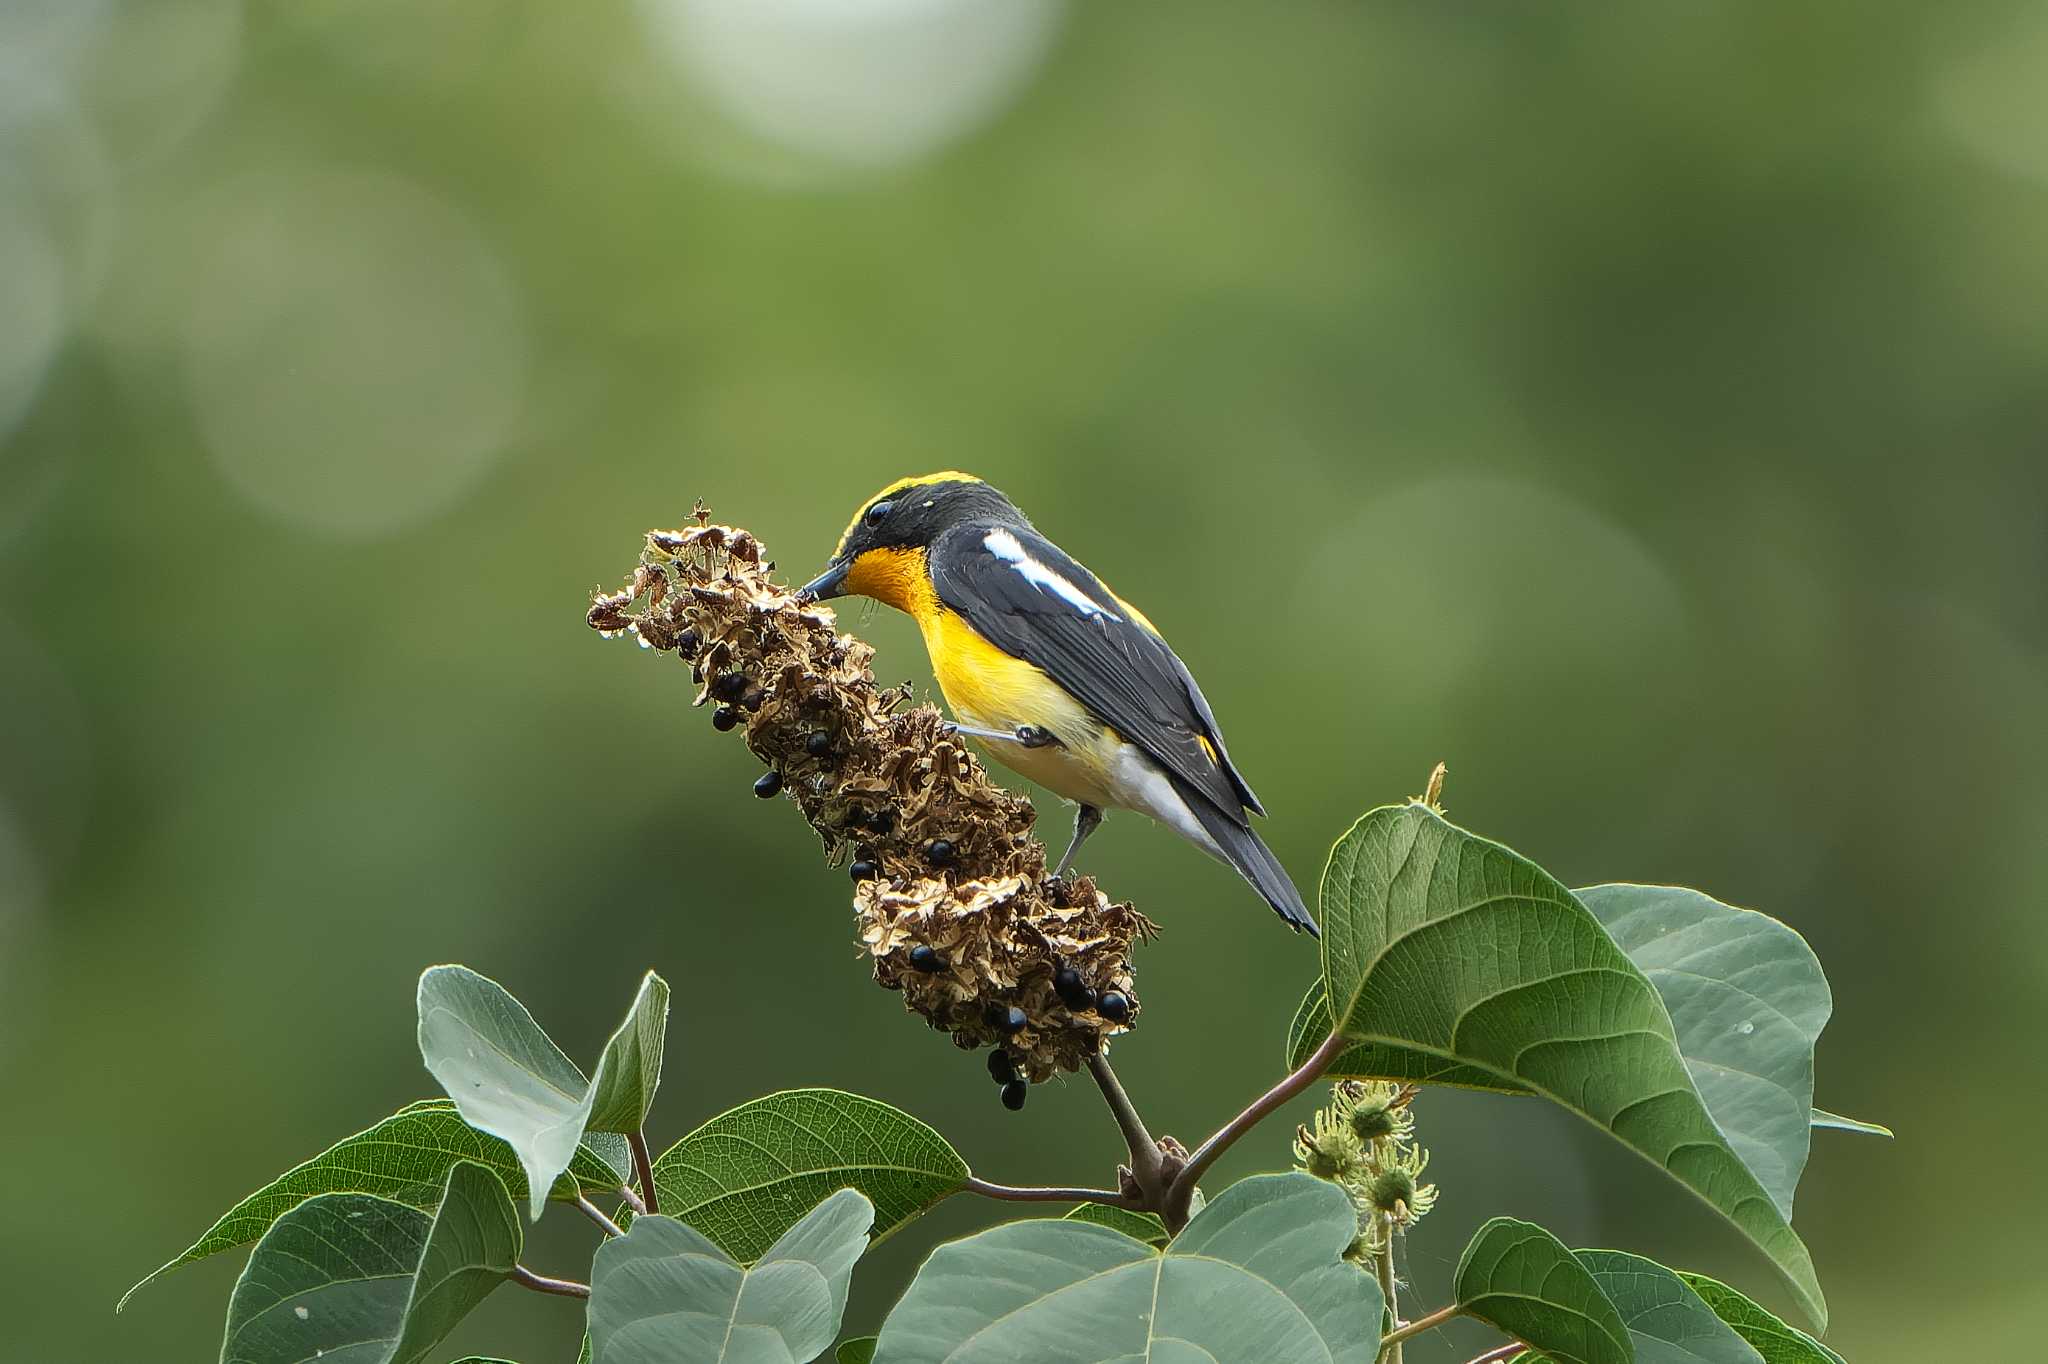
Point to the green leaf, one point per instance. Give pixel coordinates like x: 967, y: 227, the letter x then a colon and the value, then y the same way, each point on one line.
x: 1520, y: 1278
x: 364, y: 1280
x: 505, y: 1075
x: 1666, y: 1319
x: 859, y: 1350
x: 405, y: 1158
x: 509, y: 1079
x: 1441, y: 943
x: 1748, y: 1001
x: 1717, y: 969
x: 747, y: 1175
x: 1139, y: 1226
x: 1835, y: 1121
x: 1777, y: 1342
x: 630, y: 1070
x: 1259, y: 1274
x: 663, y: 1291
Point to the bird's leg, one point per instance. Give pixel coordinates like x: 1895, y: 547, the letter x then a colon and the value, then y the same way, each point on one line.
x: 1087, y: 820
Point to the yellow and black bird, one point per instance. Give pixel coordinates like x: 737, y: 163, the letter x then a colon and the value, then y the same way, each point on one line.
x: 1068, y: 683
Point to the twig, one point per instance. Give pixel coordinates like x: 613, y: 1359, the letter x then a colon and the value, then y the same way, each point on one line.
x: 596, y: 1214
x: 632, y: 1197
x: 1389, y: 1353
x: 1145, y: 1160
x: 643, y: 1169
x: 1207, y: 1153
x: 1031, y: 1194
x: 1421, y: 1324
x: 541, y: 1283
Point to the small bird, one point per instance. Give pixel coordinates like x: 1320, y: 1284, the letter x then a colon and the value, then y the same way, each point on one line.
x: 1065, y: 681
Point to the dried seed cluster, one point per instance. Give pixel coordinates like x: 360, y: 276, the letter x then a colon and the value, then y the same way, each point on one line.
x: 951, y: 898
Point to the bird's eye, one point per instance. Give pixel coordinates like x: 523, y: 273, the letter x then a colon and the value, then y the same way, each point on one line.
x: 879, y: 513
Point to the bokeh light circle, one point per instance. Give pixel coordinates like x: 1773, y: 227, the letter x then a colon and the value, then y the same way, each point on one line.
x: 853, y: 83
x: 355, y: 354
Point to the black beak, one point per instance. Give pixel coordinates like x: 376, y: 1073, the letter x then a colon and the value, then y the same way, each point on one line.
x: 826, y: 585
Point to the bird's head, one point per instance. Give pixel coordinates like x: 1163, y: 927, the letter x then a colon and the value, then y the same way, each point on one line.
x: 881, y: 555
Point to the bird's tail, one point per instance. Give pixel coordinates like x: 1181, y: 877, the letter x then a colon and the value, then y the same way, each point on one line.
x: 1243, y: 849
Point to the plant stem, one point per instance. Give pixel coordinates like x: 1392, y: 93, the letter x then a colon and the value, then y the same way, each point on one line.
x: 1421, y: 1324
x: 1207, y: 1153
x: 596, y: 1214
x: 1032, y: 1194
x: 632, y: 1197
x: 1145, y: 1162
x: 643, y: 1170
x: 1500, y: 1354
x: 1390, y: 1354
x: 541, y: 1283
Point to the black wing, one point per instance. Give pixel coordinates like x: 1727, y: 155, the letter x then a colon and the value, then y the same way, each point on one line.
x: 1064, y: 620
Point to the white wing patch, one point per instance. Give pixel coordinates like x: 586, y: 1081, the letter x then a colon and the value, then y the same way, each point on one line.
x: 1045, y: 578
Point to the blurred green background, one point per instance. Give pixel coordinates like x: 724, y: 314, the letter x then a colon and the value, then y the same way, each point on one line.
x: 1639, y: 407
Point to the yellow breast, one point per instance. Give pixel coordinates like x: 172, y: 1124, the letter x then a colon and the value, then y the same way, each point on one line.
x: 989, y: 689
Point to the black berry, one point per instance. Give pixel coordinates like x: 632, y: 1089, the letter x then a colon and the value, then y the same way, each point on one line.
x: 687, y: 642
x: 938, y: 852
x: 724, y: 718
x: 1114, y: 1005
x: 1001, y: 1068
x: 730, y: 686
x: 818, y: 744
x: 753, y: 698
x: 1014, y: 1094
x: 770, y: 783
x: 1072, y: 990
x: 924, y: 958
x: 1007, y: 1018
x: 881, y: 821
x: 863, y: 871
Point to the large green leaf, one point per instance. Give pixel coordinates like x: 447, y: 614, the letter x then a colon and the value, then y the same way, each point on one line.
x: 405, y: 1158
x: 1748, y: 1000
x: 630, y: 1070
x: 1520, y: 1278
x: 1716, y: 968
x: 353, y: 1279
x: 664, y: 1292
x: 859, y: 1350
x: 1441, y: 944
x: 1667, y: 1320
x: 1258, y: 1274
x: 1139, y: 1226
x: 1776, y: 1341
x: 747, y: 1175
x: 509, y: 1079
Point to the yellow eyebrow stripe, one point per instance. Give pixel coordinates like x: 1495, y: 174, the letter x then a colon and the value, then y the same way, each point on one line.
x: 915, y: 481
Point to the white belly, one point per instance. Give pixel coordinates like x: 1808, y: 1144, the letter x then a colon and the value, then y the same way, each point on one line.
x: 1097, y: 768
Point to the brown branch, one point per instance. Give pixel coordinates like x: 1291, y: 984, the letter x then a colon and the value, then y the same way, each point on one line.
x: 1014, y: 1193
x: 1147, y: 1168
x: 1207, y: 1153
x: 643, y: 1170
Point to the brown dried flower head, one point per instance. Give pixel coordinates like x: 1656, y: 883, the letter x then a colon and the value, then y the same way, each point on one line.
x: 958, y: 914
